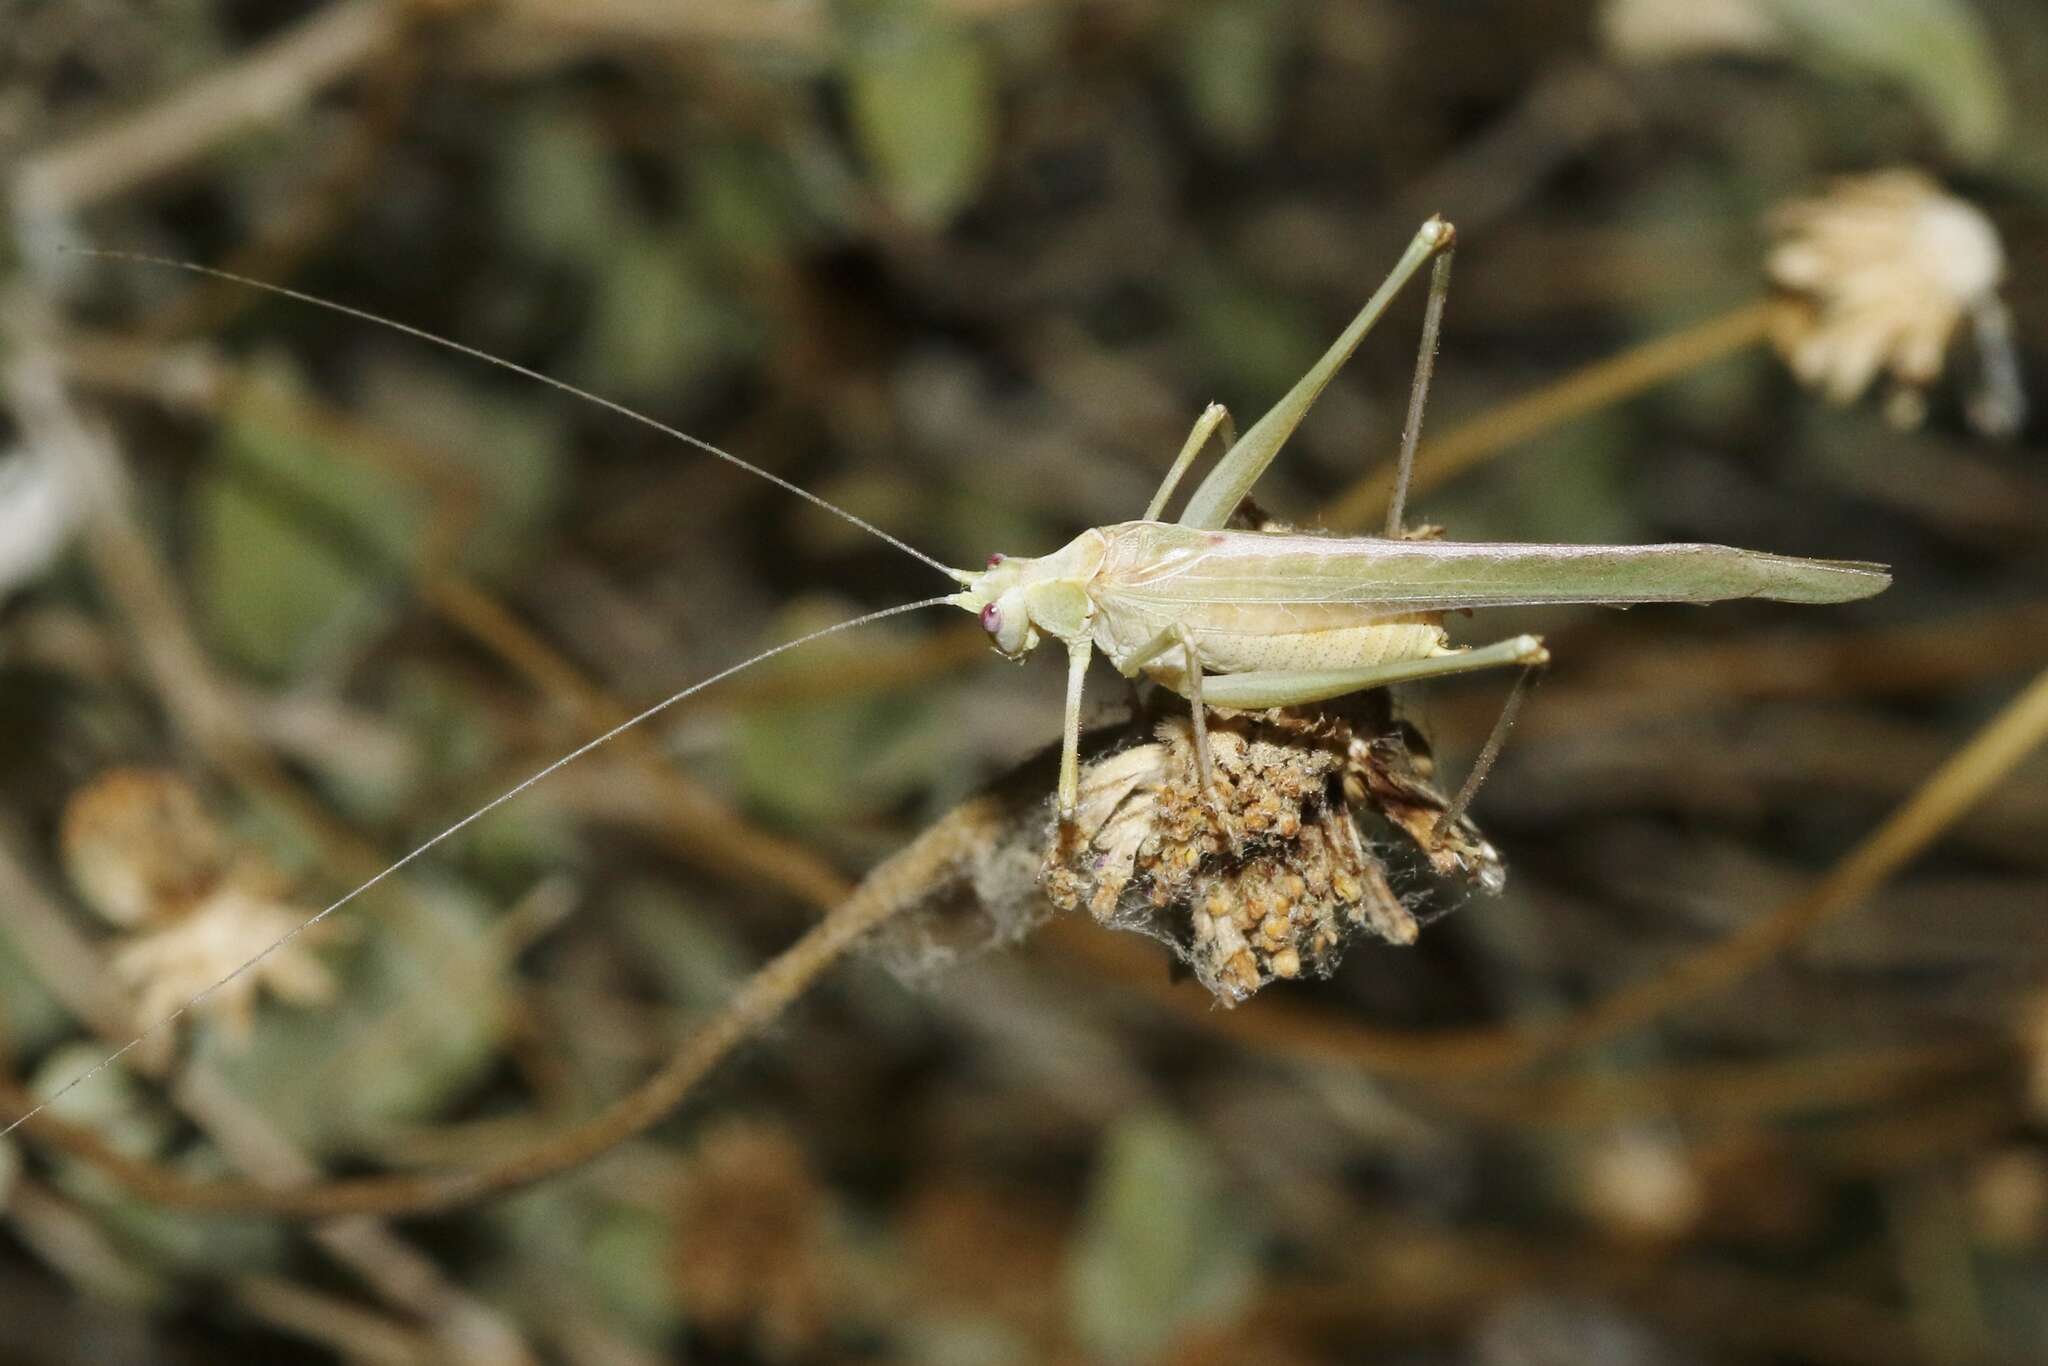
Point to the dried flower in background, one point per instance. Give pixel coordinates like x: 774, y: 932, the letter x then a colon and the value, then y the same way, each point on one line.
x: 139, y: 846
x: 38, y: 513
x: 749, y: 1260
x: 144, y: 853
x: 1883, y: 269
x: 1639, y: 1184
x: 2007, y: 1193
x: 230, y: 927
x: 1646, y: 31
x: 1276, y: 885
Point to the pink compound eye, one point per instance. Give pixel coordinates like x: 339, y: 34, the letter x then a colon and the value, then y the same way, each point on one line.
x: 995, y: 559
x: 990, y: 618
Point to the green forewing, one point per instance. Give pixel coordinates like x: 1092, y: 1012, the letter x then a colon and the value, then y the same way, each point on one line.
x: 1168, y: 564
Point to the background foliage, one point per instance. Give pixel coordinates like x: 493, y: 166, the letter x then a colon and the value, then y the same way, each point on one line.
x: 971, y: 267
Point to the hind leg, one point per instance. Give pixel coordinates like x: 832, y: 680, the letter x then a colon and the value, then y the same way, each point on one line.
x: 1298, y: 687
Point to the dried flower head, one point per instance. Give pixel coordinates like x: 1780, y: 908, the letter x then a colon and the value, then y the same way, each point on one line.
x: 1271, y: 881
x: 1274, y: 883
x: 139, y: 845
x: 1647, y: 31
x: 1883, y: 269
x: 144, y: 853
x: 1641, y: 1184
x: 38, y: 513
x: 167, y: 967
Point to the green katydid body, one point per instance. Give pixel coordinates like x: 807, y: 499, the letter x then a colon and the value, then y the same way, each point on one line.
x: 1277, y: 619
x: 1260, y: 619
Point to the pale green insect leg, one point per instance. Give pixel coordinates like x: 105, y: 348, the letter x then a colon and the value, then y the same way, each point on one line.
x: 1214, y: 419
x: 1418, y: 392
x: 1496, y: 739
x: 1179, y: 634
x: 1225, y: 487
x: 1293, y: 688
x: 1192, y: 681
x: 1191, y: 688
x: 1078, y: 653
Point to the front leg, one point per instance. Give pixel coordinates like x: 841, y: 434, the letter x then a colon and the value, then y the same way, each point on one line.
x: 1078, y: 653
x: 1191, y: 688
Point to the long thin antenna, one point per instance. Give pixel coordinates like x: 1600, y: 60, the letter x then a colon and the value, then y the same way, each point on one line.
x: 1418, y: 392
x: 496, y: 802
x: 611, y: 405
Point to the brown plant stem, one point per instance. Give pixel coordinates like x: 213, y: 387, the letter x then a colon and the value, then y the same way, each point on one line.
x: 890, y: 888
x: 258, y: 88
x: 1585, y: 391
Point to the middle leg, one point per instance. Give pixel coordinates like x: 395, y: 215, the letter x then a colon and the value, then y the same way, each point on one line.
x: 1190, y: 688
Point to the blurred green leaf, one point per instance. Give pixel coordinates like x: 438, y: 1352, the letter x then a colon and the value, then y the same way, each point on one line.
x: 417, y: 1021
x: 135, y: 1123
x: 695, y: 957
x: 559, y: 191
x: 1938, y: 50
x: 503, y: 451
x: 744, y: 200
x: 1261, y: 339
x: 273, y: 598
x: 656, y: 319
x: 109, y: 1101
x: 627, y: 1252
x: 1163, y: 1247
x: 1230, y: 62
x: 924, y: 113
x: 300, y: 546
x: 825, y: 764
x: 295, y: 546
x: 820, y: 762
x: 28, y: 1012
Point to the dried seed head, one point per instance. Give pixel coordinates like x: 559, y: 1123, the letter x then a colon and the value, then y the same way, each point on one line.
x: 1882, y: 270
x: 1268, y: 880
x: 1271, y: 877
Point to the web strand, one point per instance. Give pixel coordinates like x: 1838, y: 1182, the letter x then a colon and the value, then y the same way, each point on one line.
x: 167, y: 1021
x: 446, y: 343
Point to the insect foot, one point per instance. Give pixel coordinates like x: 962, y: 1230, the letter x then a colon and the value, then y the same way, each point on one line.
x: 1278, y: 882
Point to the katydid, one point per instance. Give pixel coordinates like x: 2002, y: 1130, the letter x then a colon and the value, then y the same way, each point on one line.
x: 1255, y: 619
x: 1226, y: 618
